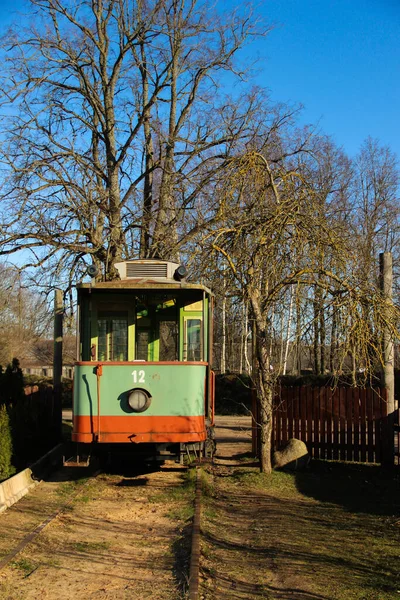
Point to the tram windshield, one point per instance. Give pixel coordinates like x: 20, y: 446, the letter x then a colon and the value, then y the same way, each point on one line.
x: 144, y: 326
x: 168, y: 347
x: 157, y: 327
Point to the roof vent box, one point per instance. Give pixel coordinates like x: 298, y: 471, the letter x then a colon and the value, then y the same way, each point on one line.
x: 146, y: 269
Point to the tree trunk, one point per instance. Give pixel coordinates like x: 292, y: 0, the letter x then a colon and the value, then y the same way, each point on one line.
x: 246, y: 348
x: 265, y: 398
x: 149, y: 162
x: 316, y: 345
x: 333, y: 342
x: 165, y: 232
x: 322, y: 337
x: 289, y: 325
x: 264, y: 382
x: 242, y: 338
x: 297, y: 368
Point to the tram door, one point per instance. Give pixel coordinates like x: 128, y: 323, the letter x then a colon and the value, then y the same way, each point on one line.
x: 192, y: 346
x: 157, y: 330
x: 158, y: 343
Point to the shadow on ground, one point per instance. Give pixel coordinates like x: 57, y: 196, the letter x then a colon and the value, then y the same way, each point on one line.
x: 356, y: 487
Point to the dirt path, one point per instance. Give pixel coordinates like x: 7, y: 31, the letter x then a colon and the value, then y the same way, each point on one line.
x: 233, y: 437
x: 123, y: 538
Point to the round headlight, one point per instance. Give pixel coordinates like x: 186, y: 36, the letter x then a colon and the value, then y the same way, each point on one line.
x: 138, y: 400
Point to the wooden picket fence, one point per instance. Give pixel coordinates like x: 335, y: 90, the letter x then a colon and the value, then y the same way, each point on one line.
x: 349, y: 424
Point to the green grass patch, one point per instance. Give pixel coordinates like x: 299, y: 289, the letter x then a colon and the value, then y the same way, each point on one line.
x: 181, y: 512
x: 91, y: 546
x: 68, y: 489
x: 82, y: 490
x: 92, y: 491
x: 177, y: 493
x: 179, y: 498
x: 277, y: 482
x: 24, y: 565
x: 207, y: 484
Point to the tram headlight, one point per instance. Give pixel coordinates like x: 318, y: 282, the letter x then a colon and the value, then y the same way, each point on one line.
x: 139, y: 400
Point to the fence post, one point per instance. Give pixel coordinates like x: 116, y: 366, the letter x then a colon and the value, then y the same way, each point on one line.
x: 386, y: 284
x: 57, y: 361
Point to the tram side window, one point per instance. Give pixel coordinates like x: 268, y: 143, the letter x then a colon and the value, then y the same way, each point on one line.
x: 112, y: 337
x: 192, y: 349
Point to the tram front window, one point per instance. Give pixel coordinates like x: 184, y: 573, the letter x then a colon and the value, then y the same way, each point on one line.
x: 142, y: 344
x: 157, y: 327
x: 113, y: 337
x: 168, y: 348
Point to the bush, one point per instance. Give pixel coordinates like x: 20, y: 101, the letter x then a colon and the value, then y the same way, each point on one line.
x: 233, y: 394
x: 6, y: 467
x: 11, y: 383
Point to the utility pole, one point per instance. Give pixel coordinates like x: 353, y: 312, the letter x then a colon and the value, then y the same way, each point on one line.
x: 57, y: 361
x: 223, y: 341
x: 386, y: 283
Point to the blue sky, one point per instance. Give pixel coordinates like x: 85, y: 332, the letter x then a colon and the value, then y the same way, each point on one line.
x: 339, y: 58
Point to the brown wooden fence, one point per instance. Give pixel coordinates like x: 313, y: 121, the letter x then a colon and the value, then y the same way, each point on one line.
x: 342, y: 424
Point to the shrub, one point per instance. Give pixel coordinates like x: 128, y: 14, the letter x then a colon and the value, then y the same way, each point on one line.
x: 6, y: 467
x: 233, y: 394
x: 12, y: 383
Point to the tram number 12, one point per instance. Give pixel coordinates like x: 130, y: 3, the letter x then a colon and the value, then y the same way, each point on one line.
x: 138, y: 376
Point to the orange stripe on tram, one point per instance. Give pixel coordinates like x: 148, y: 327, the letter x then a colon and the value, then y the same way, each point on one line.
x: 139, y: 429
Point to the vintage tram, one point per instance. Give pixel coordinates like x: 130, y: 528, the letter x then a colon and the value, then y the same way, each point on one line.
x: 143, y: 380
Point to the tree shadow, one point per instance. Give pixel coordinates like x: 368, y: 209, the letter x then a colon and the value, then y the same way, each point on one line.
x: 292, y: 546
x: 359, y: 488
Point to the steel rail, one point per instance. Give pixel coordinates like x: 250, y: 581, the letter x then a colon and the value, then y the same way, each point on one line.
x: 31, y: 536
x: 194, y: 572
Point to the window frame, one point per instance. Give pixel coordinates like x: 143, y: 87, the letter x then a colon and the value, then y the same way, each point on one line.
x: 110, y: 318
x: 116, y: 307
x: 185, y: 342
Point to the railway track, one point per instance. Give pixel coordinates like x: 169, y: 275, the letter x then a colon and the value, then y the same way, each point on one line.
x: 194, y: 572
x: 118, y: 536
x: 110, y: 536
x: 27, y: 539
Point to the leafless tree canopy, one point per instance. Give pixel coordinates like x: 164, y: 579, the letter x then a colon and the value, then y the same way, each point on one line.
x: 285, y: 240
x: 116, y: 118
x: 24, y: 315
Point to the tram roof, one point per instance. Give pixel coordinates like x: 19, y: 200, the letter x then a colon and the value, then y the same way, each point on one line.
x: 142, y: 284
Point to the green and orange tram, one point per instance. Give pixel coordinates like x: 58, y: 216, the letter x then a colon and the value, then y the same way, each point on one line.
x: 143, y: 380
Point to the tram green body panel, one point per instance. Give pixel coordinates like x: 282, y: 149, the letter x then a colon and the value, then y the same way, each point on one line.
x: 174, y: 391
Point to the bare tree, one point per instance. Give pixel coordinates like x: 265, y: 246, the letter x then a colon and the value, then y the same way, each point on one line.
x: 272, y: 236
x: 107, y: 137
x: 43, y: 350
x: 24, y: 315
x: 376, y: 207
